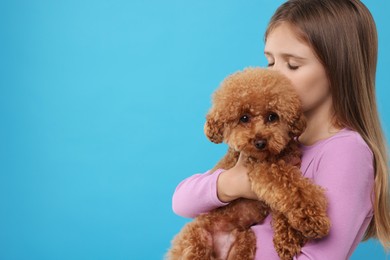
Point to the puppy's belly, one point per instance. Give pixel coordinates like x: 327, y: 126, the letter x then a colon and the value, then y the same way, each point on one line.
x: 222, y: 242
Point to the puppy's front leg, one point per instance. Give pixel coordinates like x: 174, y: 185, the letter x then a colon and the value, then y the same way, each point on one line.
x: 287, y: 240
x: 284, y: 189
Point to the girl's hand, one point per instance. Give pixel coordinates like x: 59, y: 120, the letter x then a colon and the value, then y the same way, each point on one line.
x: 234, y: 183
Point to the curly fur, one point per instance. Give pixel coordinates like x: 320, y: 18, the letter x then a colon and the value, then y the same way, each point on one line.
x: 298, y: 205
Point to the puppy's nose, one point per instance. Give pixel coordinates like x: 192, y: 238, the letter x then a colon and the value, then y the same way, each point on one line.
x: 260, y: 143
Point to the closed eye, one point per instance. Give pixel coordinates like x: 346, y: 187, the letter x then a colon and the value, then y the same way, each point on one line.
x: 291, y: 67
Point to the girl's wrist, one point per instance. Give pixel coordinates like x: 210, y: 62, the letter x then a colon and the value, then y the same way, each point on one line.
x: 225, y: 186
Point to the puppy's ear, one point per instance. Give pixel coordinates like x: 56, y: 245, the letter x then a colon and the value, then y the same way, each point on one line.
x: 298, y: 126
x: 214, y: 128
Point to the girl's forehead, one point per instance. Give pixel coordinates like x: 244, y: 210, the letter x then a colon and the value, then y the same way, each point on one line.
x: 284, y: 41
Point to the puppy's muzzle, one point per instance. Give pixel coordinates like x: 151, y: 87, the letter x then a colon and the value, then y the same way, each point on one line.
x: 260, y: 143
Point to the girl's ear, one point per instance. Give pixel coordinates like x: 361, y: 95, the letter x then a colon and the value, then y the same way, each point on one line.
x: 298, y: 126
x: 214, y: 128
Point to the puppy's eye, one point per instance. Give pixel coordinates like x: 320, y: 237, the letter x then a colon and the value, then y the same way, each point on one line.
x: 272, y: 117
x: 244, y: 119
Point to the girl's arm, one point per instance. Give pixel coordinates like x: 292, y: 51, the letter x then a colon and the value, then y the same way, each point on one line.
x: 201, y: 193
x: 197, y: 194
x: 345, y: 170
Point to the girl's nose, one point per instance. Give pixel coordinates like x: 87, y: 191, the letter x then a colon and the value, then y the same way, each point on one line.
x: 275, y: 66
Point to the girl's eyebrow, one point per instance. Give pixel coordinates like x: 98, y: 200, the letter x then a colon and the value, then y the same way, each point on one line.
x: 287, y: 55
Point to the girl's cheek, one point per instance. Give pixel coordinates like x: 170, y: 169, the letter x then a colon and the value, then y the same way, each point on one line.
x: 299, y: 84
x: 302, y: 88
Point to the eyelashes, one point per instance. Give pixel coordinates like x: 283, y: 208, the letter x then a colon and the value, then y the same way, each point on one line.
x: 291, y: 67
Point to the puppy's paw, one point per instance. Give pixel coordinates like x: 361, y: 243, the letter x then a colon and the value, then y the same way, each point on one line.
x: 310, y: 223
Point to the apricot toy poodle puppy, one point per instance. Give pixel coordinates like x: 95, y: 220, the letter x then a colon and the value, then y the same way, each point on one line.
x: 258, y: 113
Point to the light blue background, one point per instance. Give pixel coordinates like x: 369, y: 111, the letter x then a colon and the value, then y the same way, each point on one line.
x: 102, y: 107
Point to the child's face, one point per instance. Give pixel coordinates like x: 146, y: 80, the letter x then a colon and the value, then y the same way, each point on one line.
x: 298, y: 62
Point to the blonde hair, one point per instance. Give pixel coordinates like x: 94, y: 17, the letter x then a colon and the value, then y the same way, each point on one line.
x: 343, y: 35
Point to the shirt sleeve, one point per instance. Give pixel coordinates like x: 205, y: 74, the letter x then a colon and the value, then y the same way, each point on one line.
x: 197, y: 194
x: 345, y: 170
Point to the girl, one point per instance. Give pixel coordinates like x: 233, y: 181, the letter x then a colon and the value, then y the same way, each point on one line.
x: 328, y: 49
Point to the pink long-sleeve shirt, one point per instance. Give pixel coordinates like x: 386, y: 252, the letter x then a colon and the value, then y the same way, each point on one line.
x: 342, y: 164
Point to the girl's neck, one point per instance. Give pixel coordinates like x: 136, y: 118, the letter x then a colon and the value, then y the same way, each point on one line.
x: 318, y: 125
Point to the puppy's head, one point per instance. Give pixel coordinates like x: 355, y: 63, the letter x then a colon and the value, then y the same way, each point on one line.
x: 255, y: 111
